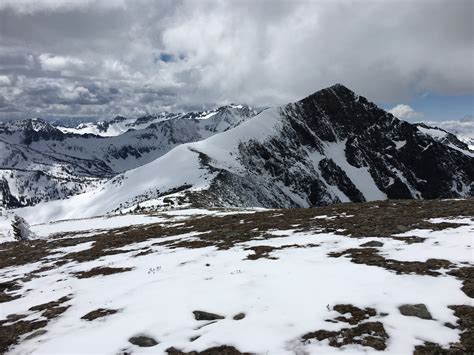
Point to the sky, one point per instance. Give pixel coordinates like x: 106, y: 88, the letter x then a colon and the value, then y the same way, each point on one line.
x: 101, y: 58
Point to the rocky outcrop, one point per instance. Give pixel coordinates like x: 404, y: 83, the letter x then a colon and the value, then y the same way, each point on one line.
x: 336, y: 146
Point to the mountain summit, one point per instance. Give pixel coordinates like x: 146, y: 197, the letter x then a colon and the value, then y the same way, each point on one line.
x: 332, y: 146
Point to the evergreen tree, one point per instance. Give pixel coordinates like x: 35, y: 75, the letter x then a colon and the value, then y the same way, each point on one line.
x: 21, y: 229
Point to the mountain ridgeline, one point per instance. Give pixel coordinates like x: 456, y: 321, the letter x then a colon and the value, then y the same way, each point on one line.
x: 41, y: 162
x: 335, y: 146
x: 332, y: 146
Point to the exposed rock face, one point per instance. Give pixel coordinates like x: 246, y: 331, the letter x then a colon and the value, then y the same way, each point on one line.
x: 335, y: 146
x: 6, y: 197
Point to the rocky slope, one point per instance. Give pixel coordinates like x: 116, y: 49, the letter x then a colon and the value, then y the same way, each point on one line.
x: 40, y: 162
x: 333, y: 146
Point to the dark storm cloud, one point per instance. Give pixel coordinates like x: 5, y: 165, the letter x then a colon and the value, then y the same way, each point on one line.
x: 130, y: 57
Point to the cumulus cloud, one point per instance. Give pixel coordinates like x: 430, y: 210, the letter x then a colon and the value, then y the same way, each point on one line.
x: 146, y: 56
x: 5, y: 80
x: 405, y: 112
x: 66, y: 65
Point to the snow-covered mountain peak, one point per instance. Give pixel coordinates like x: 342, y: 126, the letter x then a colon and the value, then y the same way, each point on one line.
x: 232, y: 114
x: 33, y: 124
x: 332, y: 146
x: 30, y: 130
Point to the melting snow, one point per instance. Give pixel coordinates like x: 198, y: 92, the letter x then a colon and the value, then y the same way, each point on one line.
x: 282, y: 299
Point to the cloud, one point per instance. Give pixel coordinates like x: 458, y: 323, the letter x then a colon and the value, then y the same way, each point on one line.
x: 5, y: 80
x: 405, y: 112
x: 214, y: 52
x: 467, y: 118
x: 66, y: 65
x: 34, y: 6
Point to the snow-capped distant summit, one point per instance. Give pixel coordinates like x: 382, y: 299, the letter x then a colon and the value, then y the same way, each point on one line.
x: 463, y: 129
x: 332, y: 146
x: 30, y: 130
x: 32, y: 124
x: 120, y: 124
x: 40, y: 162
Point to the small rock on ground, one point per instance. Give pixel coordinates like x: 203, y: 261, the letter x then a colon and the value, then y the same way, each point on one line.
x: 415, y: 310
x: 36, y: 334
x: 143, y: 341
x: 201, y: 315
x: 239, y: 316
x: 98, y: 313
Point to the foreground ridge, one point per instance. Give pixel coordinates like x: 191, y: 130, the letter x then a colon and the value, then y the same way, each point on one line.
x: 352, y: 277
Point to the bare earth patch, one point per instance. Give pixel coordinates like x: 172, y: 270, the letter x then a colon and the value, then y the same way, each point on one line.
x: 370, y: 334
x: 101, y: 271
x: 99, y: 313
x: 13, y: 327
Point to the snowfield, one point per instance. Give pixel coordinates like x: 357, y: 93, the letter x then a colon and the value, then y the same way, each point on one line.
x: 348, y: 278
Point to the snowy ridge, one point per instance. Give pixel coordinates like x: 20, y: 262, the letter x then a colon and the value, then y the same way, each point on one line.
x: 120, y: 125
x: 330, y: 147
x: 180, y: 167
x: 451, y: 139
x: 74, y: 163
x: 464, y: 129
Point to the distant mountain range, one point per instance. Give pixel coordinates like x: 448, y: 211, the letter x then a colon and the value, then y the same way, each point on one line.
x: 333, y: 146
x: 463, y: 129
x: 40, y: 162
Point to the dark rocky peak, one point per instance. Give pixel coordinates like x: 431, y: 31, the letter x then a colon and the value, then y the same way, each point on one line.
x: 338, y: 98
x: 32, y: 129
x: 38, y: 129
x: 335, y: 146
x: 340, y: 89
x: 37, y: 124
x: 337, y: 113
